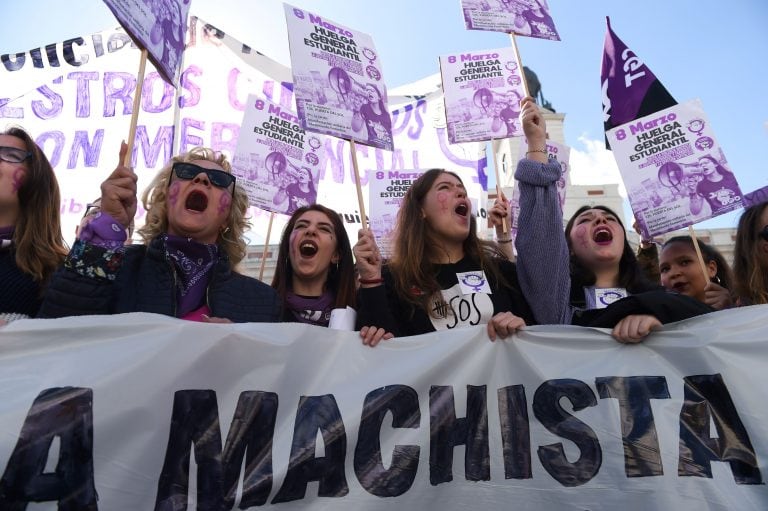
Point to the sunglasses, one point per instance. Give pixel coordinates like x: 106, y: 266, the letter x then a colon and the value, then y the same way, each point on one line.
x: 764, y: 233
x: 14, y: 154
x: 218, y: 178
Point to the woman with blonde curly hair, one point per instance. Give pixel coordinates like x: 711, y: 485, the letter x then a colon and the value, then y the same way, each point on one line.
x: 193, y: 239
x: 31, y: 245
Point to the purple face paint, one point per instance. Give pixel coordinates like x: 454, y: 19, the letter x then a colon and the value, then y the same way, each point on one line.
x: 18, y: 178
x: 580, y: 233
x: 224, y: 203
x: 173, y: 193
x: 442, y: 198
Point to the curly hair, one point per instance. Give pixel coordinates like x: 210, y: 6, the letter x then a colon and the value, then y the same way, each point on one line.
x: 415, y: 243
x: 155, y: 201
x: 750, y: 267
x: 341, y: 278
x: 38, y: 244
x: 723, y: 275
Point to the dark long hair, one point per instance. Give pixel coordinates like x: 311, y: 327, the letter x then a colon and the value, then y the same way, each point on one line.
x: 341, y: 279
x: 749, y: 265
x: 631, y: 276
x: 38, y: 244
x: 723, y: 276
x: 415, y: 243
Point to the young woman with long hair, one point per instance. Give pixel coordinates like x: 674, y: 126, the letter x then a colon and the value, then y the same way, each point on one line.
x: 440, y: 275
x: 315, y: 272
x: 750, y: 260
x: 31, y: 244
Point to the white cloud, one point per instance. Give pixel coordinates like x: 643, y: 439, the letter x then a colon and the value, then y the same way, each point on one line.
x: 593, y: 164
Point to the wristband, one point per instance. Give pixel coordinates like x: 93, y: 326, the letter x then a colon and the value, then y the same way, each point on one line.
x: 504, y: 241
x: 371, y: 281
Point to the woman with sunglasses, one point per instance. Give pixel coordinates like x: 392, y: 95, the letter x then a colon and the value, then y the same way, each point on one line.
x: 750, y: 258
x: 193, y: 239
x: 31, y: 245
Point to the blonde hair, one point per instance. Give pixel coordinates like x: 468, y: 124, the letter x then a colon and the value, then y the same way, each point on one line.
x: 155, y: 201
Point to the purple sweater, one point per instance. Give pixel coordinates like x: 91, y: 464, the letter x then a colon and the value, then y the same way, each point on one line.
x: 543, y: 261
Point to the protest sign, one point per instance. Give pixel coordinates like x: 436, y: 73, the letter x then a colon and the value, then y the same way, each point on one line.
x: 674, y: 170
x: 630, y: 89
x: 275, y: 161
x: 159, y: 27
x: 521, y: 17
x: 141, y: 412
x: 338, y: 80
x: 482, y: 91
x: 387, y: 190
x: 756, y: 197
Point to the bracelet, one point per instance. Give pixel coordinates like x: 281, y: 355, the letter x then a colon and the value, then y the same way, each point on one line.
x: 371, y: 281
x: 504, y: 241
x: 537, y: 151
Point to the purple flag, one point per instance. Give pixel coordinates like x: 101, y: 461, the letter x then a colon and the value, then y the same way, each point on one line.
x: 630, y: 89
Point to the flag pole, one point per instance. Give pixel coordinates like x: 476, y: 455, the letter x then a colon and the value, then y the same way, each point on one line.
x: 520, y: 62
x: 363, y: 218
x: 698, y: 253
x: 505, y: 228
x: 136, y: 105
x: 266, y: 247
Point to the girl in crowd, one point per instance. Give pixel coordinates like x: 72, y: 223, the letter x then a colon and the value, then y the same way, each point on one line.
x: 315, y: 272
x: 193, y: 238
x: 441, y: 275
x: 576, y: 278
x: 31, y: 244
x: 750, y: 263
x: 681, y: 272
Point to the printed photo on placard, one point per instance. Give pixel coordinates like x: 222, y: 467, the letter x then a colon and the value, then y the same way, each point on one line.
x: 386, y: 191
x: 675, y: 172
x: 482, y: 91
x: 522, y: 17
x: 159, y: 26
x: 338, y: 80
x: 276, y: 161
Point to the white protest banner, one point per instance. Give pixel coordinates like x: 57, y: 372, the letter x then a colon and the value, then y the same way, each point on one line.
x: 386, y: 192
x: 482, y: 91
x: 277, y: 163
x: 79, y: 119
x: 521, y: 17
x: 159, y: 27
x: 555, y: 417
x: 674, y: 170
x: 338, y: 79
x: 555, y: 151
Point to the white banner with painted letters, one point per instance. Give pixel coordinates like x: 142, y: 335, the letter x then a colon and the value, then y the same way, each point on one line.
x: 142, y: 412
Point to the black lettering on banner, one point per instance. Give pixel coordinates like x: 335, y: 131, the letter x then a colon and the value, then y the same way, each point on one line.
x: 15, y: 62
x: 642, y: 454
x: 515, y: 432
x: 706, y: 398
x: 316, y: 413
x: 403, y: 402
x: 67, y: 413
x: 69, y: 54
x: 195, y: 421
x: 547, y: 409
x: 53, y: 57
x: 446, y: 432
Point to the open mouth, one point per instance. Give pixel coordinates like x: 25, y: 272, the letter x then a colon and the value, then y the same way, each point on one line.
x: 196, y: 201
x: 602, y: 236
x: 679, y: 286
x: 462, y: 209
x: 308, y: 248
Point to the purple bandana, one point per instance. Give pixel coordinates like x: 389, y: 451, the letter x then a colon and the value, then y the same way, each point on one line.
x: 193, y: 262
x: 315, y: 310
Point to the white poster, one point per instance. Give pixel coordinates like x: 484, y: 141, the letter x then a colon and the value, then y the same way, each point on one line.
x: 142, y: 412
x: 277, y: 163
x: 674, y: 170
x: 387, y: 190
x: 338, y: 79
x: 521, y: 17
x: 482, y: 91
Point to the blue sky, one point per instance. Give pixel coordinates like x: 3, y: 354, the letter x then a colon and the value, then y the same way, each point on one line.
x: 712, y: 50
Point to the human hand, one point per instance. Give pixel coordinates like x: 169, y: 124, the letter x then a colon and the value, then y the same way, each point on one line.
x: 498, y: 213
x: 214, y: 319
x: 118, y: 192
x: 367, y: 256
x: 717, y: 297
x: 504, y: 324
x: 534, y: 126
x: 372, y: 335
x: 634, y: 328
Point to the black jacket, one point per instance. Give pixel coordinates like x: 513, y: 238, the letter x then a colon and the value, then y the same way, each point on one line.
x: 143, y: 280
